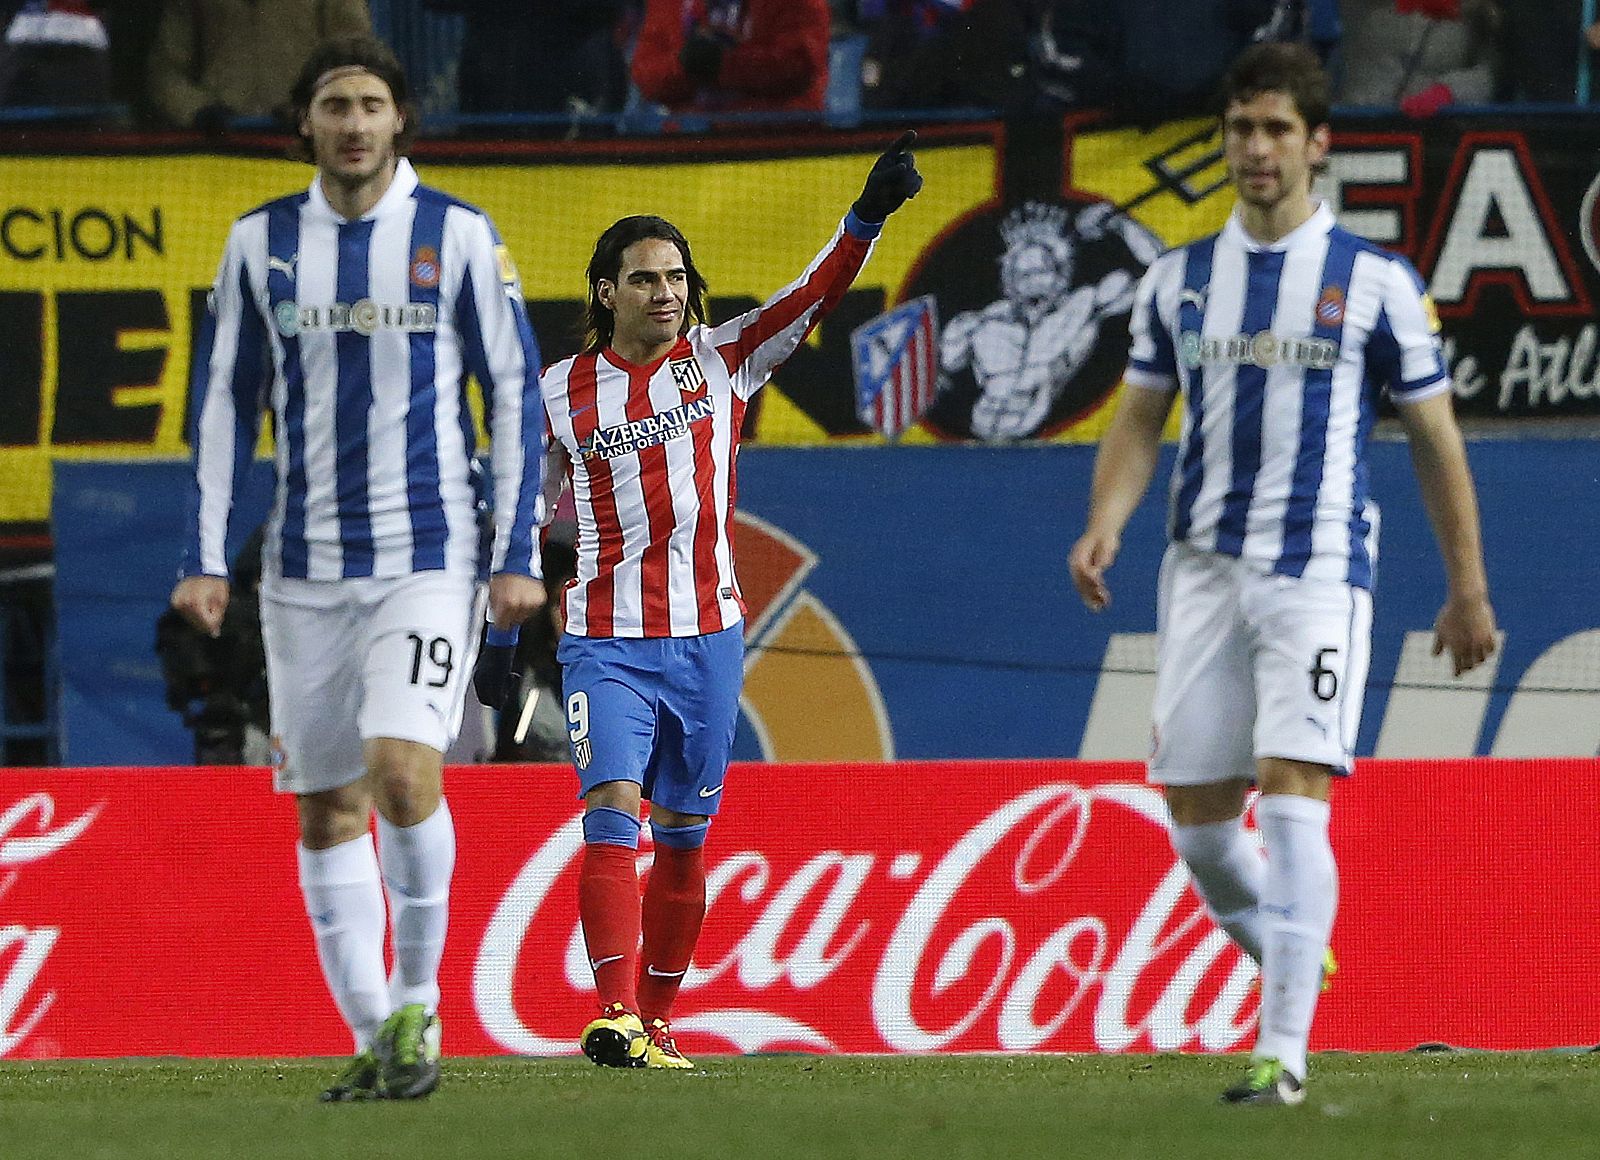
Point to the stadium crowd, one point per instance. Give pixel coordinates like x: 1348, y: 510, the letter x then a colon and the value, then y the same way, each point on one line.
x: 215, y: 66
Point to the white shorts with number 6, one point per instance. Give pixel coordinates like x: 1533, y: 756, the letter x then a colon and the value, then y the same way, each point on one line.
x: 350, y: 660
x: 1254, y: 665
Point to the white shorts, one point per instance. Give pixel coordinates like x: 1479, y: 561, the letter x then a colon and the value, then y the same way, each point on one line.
x: 1252, y: 664
x: 350, y: 660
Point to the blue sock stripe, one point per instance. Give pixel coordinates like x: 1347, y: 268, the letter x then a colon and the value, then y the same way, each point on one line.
x: 680, y: 837
x: 611, y: 827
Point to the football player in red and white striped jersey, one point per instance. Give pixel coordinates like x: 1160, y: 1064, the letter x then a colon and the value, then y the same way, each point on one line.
x: 644, y: 427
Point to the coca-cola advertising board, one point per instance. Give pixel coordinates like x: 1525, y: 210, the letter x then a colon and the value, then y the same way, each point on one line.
x: 910, y: 907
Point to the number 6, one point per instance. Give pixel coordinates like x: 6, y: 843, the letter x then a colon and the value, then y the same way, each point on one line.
x: 1320, y: 673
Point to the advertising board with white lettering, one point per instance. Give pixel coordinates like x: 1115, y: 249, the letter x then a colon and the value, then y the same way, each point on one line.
x: 1038, y: 908
x: 914, y: 603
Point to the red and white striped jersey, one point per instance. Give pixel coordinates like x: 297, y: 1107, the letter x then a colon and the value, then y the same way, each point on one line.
x: 650, y: 451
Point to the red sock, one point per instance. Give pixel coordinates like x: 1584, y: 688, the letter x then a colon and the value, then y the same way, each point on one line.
x: 674, y: 905
x: 608, y: 906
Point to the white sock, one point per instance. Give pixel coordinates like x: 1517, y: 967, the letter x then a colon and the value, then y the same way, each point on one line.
x: 1298, y: 904
x: 417, y: 863
x: 1229, y: 874
x: 344, y: 900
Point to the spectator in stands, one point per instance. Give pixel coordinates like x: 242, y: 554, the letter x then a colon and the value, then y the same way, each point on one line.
x: 214, y: 60
x: 926, y: 54
x: 55, y: 52
x: 562, y: 56
x: 1312, y: 22
x: 1542, y: 42
x: 733, y: 55
x: 1419, y: 55
x: 131, y: 25
x: 1145, y: 60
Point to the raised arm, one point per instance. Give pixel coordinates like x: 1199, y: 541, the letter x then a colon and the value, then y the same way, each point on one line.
x: 755, y: 344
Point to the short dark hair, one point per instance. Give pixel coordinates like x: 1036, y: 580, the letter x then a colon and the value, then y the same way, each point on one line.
x: 363, y: 52
x: 1280, y: 67
x: 599, y: 323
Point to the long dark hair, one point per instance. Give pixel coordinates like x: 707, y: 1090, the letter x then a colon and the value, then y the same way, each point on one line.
x: 363, y: 52
x: 599, y: 323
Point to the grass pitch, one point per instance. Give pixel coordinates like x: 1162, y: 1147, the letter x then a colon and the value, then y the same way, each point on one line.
x: 1452, y: 1105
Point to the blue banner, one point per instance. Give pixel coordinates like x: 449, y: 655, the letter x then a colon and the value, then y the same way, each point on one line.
x: 914, y: 602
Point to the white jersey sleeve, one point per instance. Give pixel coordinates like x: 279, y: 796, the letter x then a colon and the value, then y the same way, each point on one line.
x: 1152, y: 358
x: 230, y: 370
x: 1404, y: 351
x: 503, y: 356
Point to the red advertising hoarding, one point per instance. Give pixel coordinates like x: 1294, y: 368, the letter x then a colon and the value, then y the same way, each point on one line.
x: 913, y: 907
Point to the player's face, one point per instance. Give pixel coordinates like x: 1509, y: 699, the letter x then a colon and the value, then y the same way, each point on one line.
x: 353, y: 122
x: 1270, y: 149
x: 649, y: 297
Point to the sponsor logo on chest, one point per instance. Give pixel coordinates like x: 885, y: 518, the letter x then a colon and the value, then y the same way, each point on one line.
x: 1263, y: 349
x: 365, y: 317
x: 651, y: 431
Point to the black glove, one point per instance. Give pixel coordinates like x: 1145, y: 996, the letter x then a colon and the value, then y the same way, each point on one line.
x: 214, y: 120
x: 701, y: 58
x: 492, y: 678
x: 892, y: 180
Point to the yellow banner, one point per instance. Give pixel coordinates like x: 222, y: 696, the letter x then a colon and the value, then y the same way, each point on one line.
x: 104, y: 264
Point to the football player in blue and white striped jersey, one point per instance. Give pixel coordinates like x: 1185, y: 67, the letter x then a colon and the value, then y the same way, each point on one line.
x: 355, y: 310
x: 1276, y: 337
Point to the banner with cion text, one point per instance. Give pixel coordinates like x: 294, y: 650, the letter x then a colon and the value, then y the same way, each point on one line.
x: 1021, y: 252
x: 1004, y: 906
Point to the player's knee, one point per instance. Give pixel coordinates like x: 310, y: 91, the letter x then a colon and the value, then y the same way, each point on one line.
x: 326, y: 823
x: 690, y: 837
x: 604, y: 826
x: 405, y: 780
x: 405, y: 796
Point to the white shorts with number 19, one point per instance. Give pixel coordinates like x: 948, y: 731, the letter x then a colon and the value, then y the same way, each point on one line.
x: 350, y: 660
x: 1252, y: 664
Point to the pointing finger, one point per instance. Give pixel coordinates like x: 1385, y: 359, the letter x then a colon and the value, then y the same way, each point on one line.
x: 904, y: 142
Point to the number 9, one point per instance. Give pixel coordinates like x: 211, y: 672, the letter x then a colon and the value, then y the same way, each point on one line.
x: 578, y: 715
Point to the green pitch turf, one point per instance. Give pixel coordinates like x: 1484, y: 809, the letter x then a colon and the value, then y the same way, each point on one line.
x: 1096, y: 1107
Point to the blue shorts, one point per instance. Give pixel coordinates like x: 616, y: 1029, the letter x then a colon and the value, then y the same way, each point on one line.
x: 658, y: 711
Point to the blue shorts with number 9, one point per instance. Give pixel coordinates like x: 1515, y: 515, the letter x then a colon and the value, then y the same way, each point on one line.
x: 659, y: 711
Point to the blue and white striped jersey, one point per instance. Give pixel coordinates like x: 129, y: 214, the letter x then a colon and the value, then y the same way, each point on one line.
x: 1280, y: 352
x: 359, y: 335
